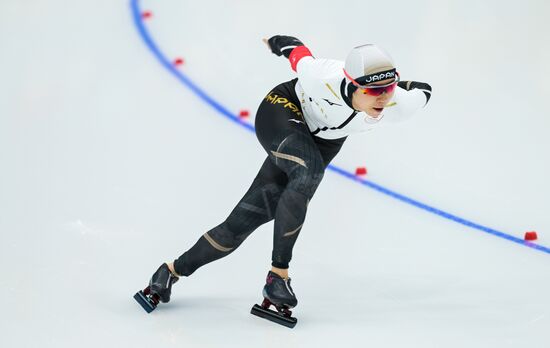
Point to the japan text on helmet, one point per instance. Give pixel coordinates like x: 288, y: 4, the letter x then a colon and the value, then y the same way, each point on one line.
x: 368, y: 64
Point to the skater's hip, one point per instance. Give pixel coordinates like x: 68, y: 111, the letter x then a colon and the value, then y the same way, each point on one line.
x: 279, y: 114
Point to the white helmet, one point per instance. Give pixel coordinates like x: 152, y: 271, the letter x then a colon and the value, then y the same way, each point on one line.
x: 368, y: 63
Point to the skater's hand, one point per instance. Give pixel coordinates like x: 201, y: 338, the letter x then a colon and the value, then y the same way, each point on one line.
x: 282, y: 45
x: 424, y: 87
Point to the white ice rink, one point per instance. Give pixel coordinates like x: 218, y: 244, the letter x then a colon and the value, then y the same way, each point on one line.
x: 110, y: 165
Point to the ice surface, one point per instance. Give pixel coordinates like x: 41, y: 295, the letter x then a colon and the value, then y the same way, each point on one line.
x: 110, y: 166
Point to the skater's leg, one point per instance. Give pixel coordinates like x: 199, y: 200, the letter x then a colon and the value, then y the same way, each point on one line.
x: 296, y: 154
x: 329, y: 149
x: 172, y: 269
x: 257, y: 207
x: 303, y: 158
x: 260, y: 204
x: 282, y: 131
x: 273, y: 177
x: 281, y: 272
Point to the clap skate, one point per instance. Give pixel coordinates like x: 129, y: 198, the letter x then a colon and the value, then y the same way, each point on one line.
x: 278, y: 293
x: 159, y: 289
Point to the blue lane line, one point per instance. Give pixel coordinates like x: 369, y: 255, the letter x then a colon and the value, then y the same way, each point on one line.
x: 136, y: 12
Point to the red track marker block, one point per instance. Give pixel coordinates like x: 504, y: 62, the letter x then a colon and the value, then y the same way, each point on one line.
x: 361, y: 171
x: 244, y: 113
x: 146, y: 14
x: 529, y: 236
x: 178, y: 61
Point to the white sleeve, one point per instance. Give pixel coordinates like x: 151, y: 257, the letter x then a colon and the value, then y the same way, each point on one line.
x: 320, y: 78
x: 405, y: 104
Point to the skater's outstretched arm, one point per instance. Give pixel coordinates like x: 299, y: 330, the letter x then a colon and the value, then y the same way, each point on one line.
x: 290, y: 47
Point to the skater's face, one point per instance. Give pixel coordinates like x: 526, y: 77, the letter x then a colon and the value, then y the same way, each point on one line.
x: 371, y: 104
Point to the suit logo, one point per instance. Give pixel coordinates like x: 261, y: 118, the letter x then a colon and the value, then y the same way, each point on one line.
x: 331, y: 103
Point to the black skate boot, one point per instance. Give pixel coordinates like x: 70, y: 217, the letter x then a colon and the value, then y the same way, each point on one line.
x: 159, y: 289
x: 279, y: 294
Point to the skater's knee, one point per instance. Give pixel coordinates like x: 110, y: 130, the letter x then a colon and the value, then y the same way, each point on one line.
x: 314, y: 177
x: 306, y: 181
x: 254, y: 209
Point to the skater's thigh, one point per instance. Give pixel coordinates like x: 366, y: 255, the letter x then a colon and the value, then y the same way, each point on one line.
x: 278, y: 115
x: 285, y: 137
x: 329, y: 148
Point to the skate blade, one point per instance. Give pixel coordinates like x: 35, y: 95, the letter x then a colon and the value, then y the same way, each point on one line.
x: 144, y: 301
x: 273, y: 316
